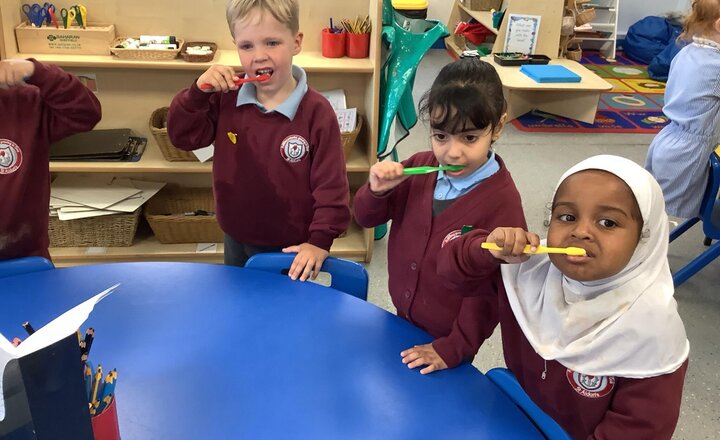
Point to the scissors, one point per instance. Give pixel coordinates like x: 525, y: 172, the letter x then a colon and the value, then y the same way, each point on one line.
x: 67, y: 15
x: 80, y: 15
x: 36, y: 14
x: 50, y: 8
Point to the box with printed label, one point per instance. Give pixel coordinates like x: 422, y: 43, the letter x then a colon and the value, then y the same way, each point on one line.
x: 93, y: 40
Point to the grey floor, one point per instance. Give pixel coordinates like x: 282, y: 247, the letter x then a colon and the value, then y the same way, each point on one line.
x: 536, y: 161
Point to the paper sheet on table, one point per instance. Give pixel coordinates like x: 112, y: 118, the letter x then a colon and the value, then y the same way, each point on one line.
x: 59, y: 203
x: 89, y: 191
x: 57, y: 329
x: 205, y: 154
x: 336, y: 97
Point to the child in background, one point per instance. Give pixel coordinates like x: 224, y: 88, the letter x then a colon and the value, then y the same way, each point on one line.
x: 596, y: 341
x: 279, y: 171
x: 678, y: 156
x: 39, y: 104
x: 466, y: 110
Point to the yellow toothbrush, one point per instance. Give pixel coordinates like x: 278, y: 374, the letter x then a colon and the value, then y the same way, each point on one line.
x: 541, y: 249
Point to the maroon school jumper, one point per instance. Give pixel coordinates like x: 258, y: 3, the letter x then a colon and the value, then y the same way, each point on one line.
x: 54, y: 105
x: 282, y: 182
x: 458, y: 324
x: 587, y: 407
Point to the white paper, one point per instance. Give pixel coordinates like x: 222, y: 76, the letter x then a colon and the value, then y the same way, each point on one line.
x: 336, y: 98
x: 206, y: 248
x: 347, y: 119
x: 206, y: 153
x: 89, y: 191
x: 57, y: 329
x: 148, y: 189
x: 65, y: 216
x: 522, y: 33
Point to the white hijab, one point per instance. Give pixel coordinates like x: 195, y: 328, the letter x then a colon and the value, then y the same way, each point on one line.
x: 626, y: 325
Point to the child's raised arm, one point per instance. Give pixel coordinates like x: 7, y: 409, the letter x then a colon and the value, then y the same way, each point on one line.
x: 68, y: 107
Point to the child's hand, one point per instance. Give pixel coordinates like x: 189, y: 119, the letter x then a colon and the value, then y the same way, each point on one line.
x: 220, y: 77
x: 385, y: 176
x: 13, y: 73
x: 307, y: 262
x: 513, y: 242
x: 423, y: 355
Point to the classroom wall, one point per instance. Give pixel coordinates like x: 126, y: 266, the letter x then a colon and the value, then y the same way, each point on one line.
x: 630, y: 10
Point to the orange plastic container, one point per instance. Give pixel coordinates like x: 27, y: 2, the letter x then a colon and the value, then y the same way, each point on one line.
x: 333, y: 44
x: 358, y: 45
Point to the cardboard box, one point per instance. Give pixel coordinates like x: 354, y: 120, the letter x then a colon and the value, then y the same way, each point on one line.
x: 483, y: 5
x: 94, y: 40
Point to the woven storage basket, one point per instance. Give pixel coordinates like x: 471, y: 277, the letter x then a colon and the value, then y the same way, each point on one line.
x: 574, y: 53
x: 115, y: 230
x: 349, y: 137
x: 483, y: 5
x: 158, y: 127
x: 178, y: 228
x: 144, y: 54
x: 198, y: 58
x: 583, y: 16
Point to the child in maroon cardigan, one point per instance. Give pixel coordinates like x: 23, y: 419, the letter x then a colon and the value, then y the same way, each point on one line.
x: 39, y: 104
x: 466, y: 110
x: 596, y: 341
x: 279, y: 172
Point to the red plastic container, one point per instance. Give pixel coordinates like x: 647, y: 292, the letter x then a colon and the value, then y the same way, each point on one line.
x: 358, y: 45
x: 333, y: 44
x: 105, y: 425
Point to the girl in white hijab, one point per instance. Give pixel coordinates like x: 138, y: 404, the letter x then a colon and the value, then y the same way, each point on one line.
x: 595, y: 340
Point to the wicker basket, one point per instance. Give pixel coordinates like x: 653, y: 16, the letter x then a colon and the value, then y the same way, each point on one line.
x: 574, y: 52
x: 349, y: 137
x: 116, y: 230
x: 158, y: 127
x: 178, y: 228
x: 198, y: 58
x: 583, y: 15
x: 144, y: 54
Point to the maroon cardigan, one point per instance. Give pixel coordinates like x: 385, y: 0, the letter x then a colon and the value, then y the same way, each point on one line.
x: 458, y: 323
x: 277, y: 182
x: 587, y: 407
x: 54, y: 105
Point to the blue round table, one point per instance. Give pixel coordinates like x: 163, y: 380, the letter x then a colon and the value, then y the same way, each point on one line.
x: 215, y: 352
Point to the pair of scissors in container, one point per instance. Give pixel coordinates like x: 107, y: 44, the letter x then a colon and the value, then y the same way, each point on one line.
x: 37, y: 15
x: 76, y: 13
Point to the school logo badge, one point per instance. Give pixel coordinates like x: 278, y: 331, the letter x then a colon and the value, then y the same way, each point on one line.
x: 10, y: 156
x: 593, y: 387
x: 294, y: 148
x: 450, y: 237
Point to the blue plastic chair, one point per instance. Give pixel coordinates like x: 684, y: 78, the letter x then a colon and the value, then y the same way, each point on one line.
x: 347, y: 276
x: 710, y: 217
x: 506, y: 381
x: 19, y: 266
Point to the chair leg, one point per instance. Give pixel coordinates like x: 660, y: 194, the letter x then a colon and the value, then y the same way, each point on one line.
x: 687, y: 224
x: 695, y: 265
x: 707, y: 241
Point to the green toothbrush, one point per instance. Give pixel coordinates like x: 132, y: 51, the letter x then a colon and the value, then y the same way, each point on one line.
x: 427, y: 170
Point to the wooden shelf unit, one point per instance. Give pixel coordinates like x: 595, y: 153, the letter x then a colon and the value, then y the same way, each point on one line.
x: 130, y: 91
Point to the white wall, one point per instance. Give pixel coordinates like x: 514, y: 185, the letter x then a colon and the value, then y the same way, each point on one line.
x: 630, y: 10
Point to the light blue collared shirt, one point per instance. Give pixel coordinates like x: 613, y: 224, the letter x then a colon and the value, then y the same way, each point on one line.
x: 448, y: 188
x: 248, y: 95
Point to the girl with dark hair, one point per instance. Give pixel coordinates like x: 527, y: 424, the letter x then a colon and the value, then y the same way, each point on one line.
x: 465, y: 109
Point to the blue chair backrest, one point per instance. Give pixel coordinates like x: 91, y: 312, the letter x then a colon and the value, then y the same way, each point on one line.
x: 346, y: 276
x: 19, y: 266
x: 506, y: 381
x: 710, y: 209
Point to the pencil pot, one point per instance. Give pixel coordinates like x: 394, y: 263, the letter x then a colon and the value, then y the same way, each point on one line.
x: 105, y: 425
x: 333, y: 44
x: 358, y: 45
x: 45, y: 396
